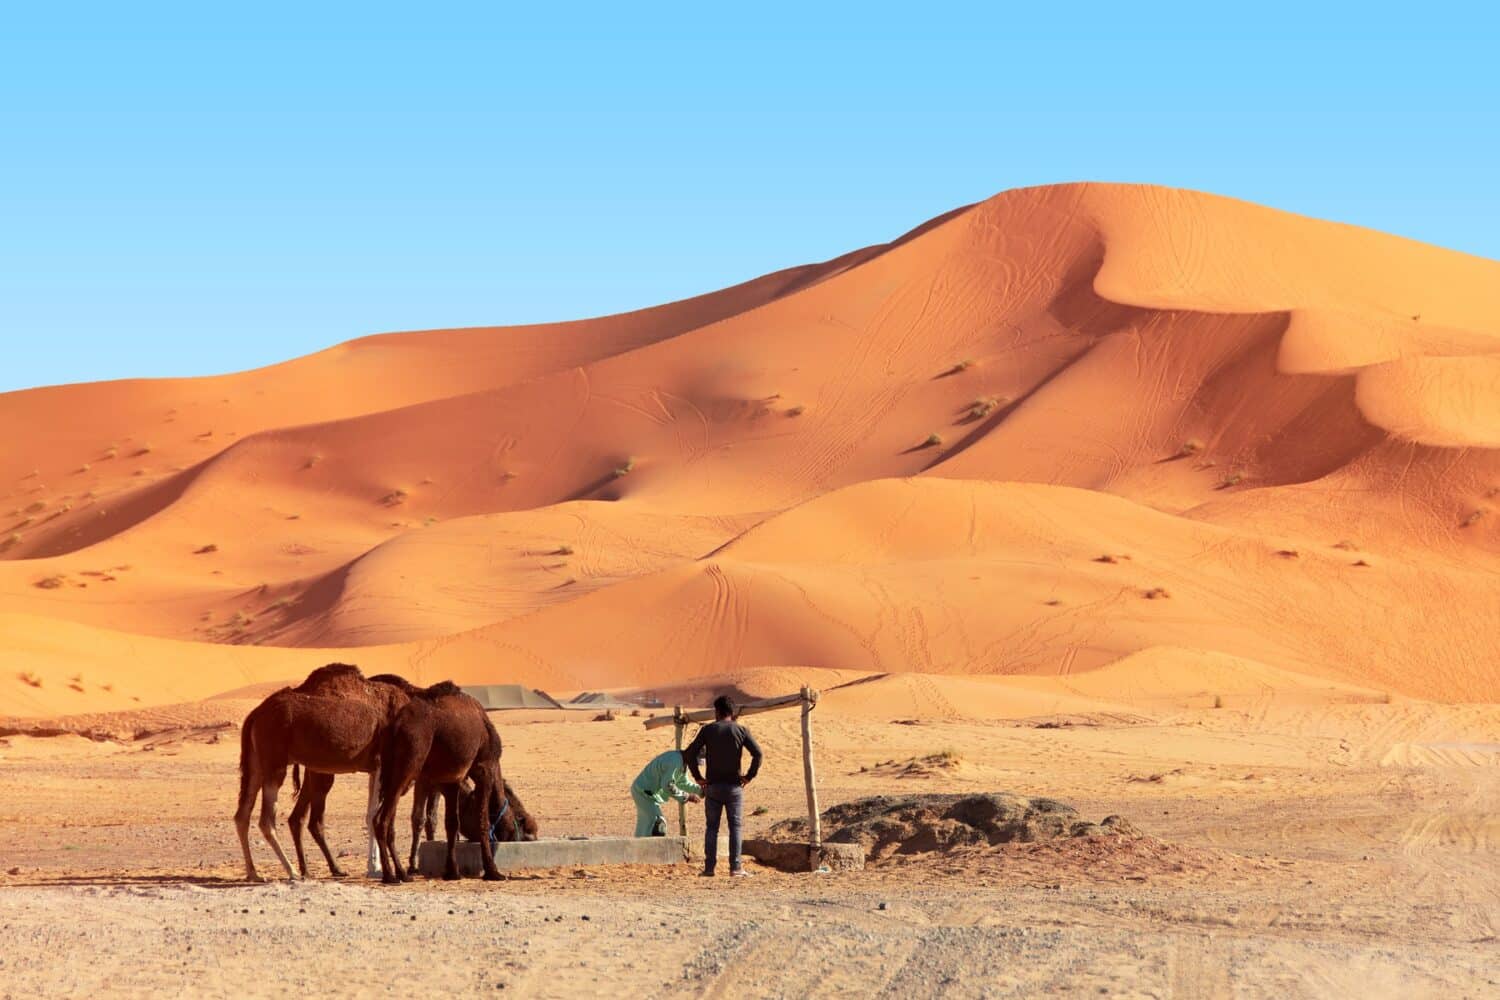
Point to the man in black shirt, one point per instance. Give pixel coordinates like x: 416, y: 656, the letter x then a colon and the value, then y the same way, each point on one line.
x: 722, y: 742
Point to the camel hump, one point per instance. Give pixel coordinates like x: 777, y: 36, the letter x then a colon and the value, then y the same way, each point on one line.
x: 443, y: 689
x: 332, y: 675
x: 394, y: 680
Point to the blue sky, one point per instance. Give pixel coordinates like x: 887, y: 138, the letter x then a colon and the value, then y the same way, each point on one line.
x: 189, y: 190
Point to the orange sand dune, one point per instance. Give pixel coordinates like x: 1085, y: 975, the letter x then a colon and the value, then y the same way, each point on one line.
x: 907, y: 459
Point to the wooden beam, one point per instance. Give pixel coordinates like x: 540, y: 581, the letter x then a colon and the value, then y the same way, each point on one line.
x: 814, y: 821
x: 681, y: 806
x: 748, y: 708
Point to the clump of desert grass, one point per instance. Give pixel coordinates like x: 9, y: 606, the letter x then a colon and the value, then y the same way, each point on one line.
x: 1156, y: 594
x: 394, y: 498
x: 983, y: 407
x: 50, y: 582
x: 796, y: 411
x: 933, y: 440
x: 204, y: 550
x: 29, y: 679
x: 625, y: 468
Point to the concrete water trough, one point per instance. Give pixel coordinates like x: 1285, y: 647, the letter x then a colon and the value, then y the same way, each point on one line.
x: 558, y: 853
x: 573, y: 852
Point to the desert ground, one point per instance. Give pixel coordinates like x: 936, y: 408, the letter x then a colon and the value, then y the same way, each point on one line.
x: 1160, y: 504
x: 1301, y: 852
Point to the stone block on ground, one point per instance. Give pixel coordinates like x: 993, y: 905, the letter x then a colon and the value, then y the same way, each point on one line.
x: 559, y: 853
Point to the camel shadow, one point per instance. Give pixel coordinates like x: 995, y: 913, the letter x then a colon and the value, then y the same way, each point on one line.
x: 126, y: 879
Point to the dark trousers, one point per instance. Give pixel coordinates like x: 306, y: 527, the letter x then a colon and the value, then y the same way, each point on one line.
x: 716, y: 799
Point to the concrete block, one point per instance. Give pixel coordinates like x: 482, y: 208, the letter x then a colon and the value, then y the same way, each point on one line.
x: 695, y: 848
x: 561, y: 853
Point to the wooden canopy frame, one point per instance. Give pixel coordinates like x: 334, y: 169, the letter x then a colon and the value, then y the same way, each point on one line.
x: 808, y: 699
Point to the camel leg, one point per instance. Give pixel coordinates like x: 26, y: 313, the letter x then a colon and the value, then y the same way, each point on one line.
x: 395, y: 779
x: 373, y: 868
x: 299, y: 812
x: 483, y: 787
x: 268, y: 792
x: 390, y: 861
x: 418, y: 817
x: 385, y: 849
x: 315, y: 825
x: 450, y: 823
x: 249, y: 782
x: 402, y: 874
x: 430, y: 822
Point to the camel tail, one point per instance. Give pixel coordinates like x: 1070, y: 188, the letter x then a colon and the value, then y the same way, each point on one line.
x: 245, y: 751
x: 296, y: 779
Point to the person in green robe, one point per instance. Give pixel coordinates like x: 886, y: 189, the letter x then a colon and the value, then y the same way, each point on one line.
x: 665, y: 777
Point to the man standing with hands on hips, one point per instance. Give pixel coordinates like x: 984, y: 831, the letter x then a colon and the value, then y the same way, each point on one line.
x: 723, y: 743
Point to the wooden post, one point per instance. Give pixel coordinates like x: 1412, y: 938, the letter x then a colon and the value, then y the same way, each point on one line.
x: 678, y: 724
x: 814, y: 821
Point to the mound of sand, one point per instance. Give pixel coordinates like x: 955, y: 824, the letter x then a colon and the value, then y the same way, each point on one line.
x: 1034, y: 437
x: 920, y: 824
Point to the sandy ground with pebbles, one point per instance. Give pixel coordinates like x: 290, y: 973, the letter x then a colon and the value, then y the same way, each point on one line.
x: 1283, y: 859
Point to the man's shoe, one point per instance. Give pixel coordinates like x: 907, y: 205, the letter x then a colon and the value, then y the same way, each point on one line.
x: 706, y: 873
x: 738, y: 873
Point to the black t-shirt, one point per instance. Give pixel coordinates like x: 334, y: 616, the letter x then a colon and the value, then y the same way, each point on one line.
x: 724, y: 742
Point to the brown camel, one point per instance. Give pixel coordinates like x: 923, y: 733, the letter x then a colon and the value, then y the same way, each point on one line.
x: 335, y: 722
x: 441, y: 737
x: 313, y: 796
x: 509, y: 818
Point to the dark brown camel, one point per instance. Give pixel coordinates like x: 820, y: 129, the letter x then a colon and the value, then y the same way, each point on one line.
x: 441, y: 737
x: 335, y: 722
x: 509, y: 818
x: 312, y: 797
